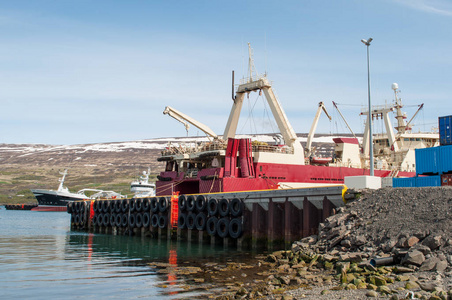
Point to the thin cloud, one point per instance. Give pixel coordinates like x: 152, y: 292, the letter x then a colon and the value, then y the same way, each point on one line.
x: 439, y: 7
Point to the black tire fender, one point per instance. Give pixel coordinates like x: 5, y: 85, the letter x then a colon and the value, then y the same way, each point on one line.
x: 211, y: 225
x: 182, y: 220
x: 100, y: 219
x: 77, y: 219
x: 212, y: 207
x: 201, y: 203
x: 124, y: 220
x: 163, y: 204
x: 105, y: 206
x: 139, y: 220
x: 77, y: 206
x: 191, y: 203
x: 106, y: 219
x: 132, y: 220
x: 125, y: 206
x: 95, y: 219
x: 200, y: 221
x: 118, y: 220
x: 223, y: 227
x: 224, y: 207
x: 235, y: 228
x: 236, y: 206
x: 182, y: 202
x: 155, y: 220
x: 118, y: 206
x: 154, y: 204
x: 146, y: 205
x: 132, y: 205
x: 146, y: 219
x: 138, y: 204
x: 112, y: 219
x: 191, y: 220
x: 163, y: 221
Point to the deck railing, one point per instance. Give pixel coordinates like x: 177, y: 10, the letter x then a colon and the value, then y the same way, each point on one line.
x: 190, y: 148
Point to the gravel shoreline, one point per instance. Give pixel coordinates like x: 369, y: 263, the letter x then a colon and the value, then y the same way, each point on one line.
x: 407, y: 231
x: 388, y: 243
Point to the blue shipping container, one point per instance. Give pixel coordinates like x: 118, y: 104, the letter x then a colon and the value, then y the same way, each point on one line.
x: 427, y: 160
x: 445, y: 159
x: 404, y: 182
x: 445, y: 130
x: 428, y: 181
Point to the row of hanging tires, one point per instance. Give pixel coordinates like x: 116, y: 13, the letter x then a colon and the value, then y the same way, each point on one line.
x: 219, y: 217
x: 131, y: 213
x: 130, y: 220
x: 79, y: 211
x: 134, y: 205
x: 20, y: 206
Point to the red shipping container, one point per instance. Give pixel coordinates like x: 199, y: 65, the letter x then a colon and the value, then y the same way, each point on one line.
x: 446, y: 179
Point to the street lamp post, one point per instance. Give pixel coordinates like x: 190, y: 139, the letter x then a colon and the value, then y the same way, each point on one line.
x: 369, y: 117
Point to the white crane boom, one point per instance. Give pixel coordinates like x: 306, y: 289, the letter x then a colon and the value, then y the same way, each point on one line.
x: 183, y: 118
x: 407, y: 126
x: 343, y: 118
x: 314, y: 126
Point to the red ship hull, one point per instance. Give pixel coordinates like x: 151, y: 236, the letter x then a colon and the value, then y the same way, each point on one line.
x: 271, y: 177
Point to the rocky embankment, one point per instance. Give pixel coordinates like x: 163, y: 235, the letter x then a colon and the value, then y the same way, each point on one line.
x: 390, y: 243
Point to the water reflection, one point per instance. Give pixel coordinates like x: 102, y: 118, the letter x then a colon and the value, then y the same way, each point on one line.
x: 41, y: 258
x: 145, y: 248
x: 143, y: 253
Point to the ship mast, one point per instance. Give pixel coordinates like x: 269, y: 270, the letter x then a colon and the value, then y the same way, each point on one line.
x: 401, y: 125
x: 260, y: 83
x: 61, y: 186
x: 251, y: 67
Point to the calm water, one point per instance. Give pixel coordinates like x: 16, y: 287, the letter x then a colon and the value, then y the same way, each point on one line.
x: 41, y: 258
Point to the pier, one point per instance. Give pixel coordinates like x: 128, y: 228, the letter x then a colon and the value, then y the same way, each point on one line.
x: 20, y: 206
x: 250, y: 219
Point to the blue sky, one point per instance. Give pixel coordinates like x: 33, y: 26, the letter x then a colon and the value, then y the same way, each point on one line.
x: 80, y: 71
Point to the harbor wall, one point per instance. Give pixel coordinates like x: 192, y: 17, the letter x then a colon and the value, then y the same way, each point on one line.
x: 244, y: 219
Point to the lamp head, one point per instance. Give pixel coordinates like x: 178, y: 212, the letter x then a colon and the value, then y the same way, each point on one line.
x: 367, y: 42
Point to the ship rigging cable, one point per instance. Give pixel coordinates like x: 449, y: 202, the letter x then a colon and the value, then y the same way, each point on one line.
x: 251, y: 117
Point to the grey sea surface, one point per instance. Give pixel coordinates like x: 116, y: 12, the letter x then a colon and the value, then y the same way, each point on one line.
x: 41, y: 258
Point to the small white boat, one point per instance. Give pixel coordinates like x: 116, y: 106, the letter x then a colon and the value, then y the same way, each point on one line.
x: 142, y: 187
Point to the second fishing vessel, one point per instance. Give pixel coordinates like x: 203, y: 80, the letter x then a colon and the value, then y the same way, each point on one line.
x: 51, y: 200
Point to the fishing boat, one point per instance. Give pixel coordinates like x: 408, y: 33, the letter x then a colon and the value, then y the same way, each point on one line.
x: 229, y: 163
x: 51, y: 200
x: 396, y: 149
x: 142, y: 187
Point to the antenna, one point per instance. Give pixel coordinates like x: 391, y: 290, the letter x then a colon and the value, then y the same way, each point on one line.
x: 266, y: 66
x: 233, y: 96
x: 395, y: 87
x: 251, y: 67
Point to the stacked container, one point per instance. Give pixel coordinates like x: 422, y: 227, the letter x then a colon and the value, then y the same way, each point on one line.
x: 445, y: 130
x: 433, y: 165
x: 427, y: 161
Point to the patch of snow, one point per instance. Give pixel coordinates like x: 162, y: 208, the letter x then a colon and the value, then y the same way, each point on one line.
x: 158, y: 144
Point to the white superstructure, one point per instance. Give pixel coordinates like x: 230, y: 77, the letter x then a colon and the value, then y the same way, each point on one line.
x: 142, y: 187
x: 395, y: 150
